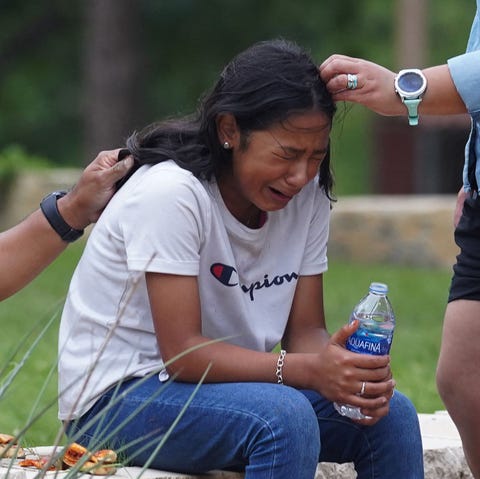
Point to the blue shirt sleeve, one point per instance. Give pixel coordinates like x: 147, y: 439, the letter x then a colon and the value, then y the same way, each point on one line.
x: 465, y: 71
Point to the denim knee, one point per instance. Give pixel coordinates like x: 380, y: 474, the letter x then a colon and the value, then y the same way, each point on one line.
x: 294, y: 421
x: 270, y: 429
x: 402, y: 407
x: 404, y: 425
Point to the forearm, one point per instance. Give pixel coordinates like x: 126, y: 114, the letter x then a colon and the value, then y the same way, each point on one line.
x: 311, y: 340
x: 231, y: 363
x: 441, y: 96
x: 25, y: 250
x: 331, y: 370
x: 29, y: 247
x: 376, y: 89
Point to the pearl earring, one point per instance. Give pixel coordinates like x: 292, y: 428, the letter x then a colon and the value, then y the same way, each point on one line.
x: 226, y: 145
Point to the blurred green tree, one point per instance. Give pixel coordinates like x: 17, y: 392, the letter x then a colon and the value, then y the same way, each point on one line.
x: 110, y: 95
x: 89, y: 72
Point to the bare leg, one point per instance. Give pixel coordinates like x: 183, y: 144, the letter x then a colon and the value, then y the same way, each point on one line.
x: 458, y: 374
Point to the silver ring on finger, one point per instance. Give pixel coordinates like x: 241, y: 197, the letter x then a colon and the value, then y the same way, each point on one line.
x: 362, y: 390
x: 352, y: 81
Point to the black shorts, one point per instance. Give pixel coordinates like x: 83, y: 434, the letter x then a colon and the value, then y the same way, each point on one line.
x: 466, y: 278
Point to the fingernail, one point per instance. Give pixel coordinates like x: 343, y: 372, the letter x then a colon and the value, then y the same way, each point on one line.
x: 128, y: 162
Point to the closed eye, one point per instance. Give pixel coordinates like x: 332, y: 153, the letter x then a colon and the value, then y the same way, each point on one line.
x: 286, y: 156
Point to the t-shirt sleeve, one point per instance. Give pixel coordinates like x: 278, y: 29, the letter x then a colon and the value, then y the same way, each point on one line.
x: 164, y: 222
x: 465, y: 71
x: 315, y: 256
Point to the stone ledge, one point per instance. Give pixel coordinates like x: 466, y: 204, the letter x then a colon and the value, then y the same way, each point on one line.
x: 414, y: 230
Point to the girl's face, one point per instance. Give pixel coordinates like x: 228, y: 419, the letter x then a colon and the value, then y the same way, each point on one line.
x: 274, y: 164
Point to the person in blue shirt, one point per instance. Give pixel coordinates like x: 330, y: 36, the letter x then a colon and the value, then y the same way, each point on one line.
x: 451, y: 88
x: 28, y: 248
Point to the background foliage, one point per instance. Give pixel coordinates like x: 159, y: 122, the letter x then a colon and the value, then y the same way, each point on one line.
x: 74, y: 69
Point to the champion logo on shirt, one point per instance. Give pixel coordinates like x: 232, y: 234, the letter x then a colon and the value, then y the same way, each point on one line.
x: 228, y: 276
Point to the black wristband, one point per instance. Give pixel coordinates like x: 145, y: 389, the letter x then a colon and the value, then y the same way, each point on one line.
x: 50, y: 210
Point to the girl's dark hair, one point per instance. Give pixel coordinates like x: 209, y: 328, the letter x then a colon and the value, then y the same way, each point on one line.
x: 261, y: 86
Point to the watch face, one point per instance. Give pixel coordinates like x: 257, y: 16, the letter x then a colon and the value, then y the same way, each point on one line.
x: 411, y: 82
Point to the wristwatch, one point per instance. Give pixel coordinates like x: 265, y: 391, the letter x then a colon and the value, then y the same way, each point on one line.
x: 411, y: 85
x: 50, y: 210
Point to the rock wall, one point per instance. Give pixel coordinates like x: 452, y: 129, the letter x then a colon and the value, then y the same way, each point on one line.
x: 29, y: 188
x: 409, y: 230
x: 406, y: 230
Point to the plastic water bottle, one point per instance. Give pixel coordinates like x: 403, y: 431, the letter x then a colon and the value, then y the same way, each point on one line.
x: 374, y: 334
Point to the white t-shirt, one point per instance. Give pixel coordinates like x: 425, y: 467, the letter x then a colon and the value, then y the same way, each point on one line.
x: 166, y: 220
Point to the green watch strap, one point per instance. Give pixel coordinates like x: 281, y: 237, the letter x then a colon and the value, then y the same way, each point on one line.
x: 412, y: 107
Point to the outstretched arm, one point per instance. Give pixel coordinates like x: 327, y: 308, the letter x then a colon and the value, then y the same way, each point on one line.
x: 27, y: 248
x: 376, y: 89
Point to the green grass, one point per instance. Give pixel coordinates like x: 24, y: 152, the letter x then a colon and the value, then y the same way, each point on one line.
x: 418, y: 297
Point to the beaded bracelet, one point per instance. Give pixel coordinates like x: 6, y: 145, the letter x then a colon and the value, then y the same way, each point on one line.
x: 280, y: 362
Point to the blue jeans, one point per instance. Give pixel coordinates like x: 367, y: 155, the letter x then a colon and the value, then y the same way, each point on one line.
x: 267, y: 430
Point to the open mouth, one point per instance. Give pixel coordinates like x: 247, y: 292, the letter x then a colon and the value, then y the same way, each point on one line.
x: 280, y: 195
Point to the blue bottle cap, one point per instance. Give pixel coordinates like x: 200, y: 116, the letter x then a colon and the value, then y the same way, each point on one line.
x: 379, y: 288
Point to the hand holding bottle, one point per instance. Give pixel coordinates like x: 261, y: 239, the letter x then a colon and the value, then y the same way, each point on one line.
x: 375, y: 324
x: 344, y: 373
x: 338, y: 374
